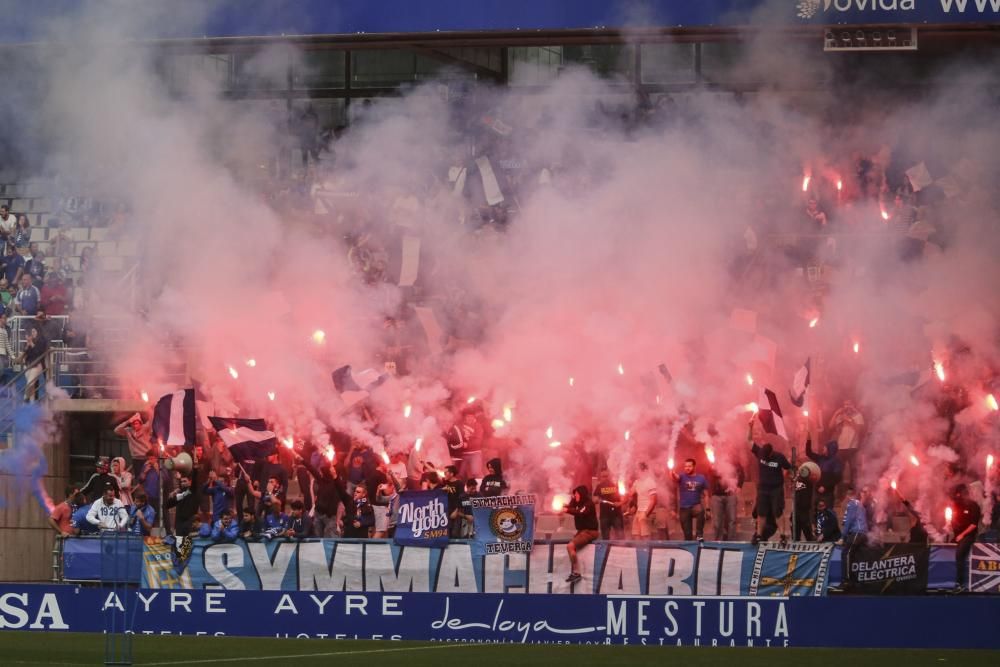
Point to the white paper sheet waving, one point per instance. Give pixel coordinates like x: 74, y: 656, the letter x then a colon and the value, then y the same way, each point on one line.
x: 919, y: 177
x: 460, y: 182
x: 410, y: 265
x: 491, y: 188
x: 433, y: 330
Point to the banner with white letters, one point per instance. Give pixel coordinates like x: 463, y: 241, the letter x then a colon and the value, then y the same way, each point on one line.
x: 423, y: 519
x: 608, y: 568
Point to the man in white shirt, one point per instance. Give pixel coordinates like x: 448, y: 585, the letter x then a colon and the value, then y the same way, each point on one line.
x: 108, y: 513
x: 644, y: 489
x: 8, y: 224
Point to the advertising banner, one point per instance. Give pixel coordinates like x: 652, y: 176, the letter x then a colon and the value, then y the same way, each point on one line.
x: 608, y: 568
x: 919, y: 622
x: 318, y: 17
x: 423, y: 519
x: 504, y: 524
x: 891, y: 569
x: 984, y: 568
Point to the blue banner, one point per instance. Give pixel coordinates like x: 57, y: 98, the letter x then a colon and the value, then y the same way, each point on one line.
x: 351, y: 17
x: 607, y: 568
x: 423, y: 519
x: 504, y: 524
x: 863, y: 622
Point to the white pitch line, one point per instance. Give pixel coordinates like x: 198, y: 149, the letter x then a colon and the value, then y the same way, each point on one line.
x: 214, y: 661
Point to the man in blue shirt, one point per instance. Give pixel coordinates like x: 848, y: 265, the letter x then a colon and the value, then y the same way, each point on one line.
x: 855, y: 532
x: 13, y: 264
x: 692, y: 491
x: 221, y: 493
x: 28, y: 297
x: 225, y: 529
x: 78, y: 519
x: 142, y: 518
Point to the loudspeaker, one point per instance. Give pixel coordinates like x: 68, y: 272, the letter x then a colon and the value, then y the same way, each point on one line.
x: 182, y: 463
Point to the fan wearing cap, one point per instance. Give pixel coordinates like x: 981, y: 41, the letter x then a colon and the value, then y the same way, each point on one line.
x: 108, y: 513
x: 95, y: 486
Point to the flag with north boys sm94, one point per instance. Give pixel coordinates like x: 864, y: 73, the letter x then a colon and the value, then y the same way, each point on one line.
x: 423, y: 519
x: 503, y: 524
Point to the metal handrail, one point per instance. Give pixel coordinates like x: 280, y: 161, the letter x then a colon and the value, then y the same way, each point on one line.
x: 19, y: 325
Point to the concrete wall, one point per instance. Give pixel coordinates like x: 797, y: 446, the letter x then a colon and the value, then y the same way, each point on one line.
x: 26, y: 540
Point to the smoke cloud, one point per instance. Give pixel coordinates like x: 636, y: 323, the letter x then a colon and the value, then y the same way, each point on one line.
x: 639, y: 228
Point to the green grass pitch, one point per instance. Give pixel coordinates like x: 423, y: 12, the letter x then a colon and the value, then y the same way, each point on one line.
x: 55, y: 649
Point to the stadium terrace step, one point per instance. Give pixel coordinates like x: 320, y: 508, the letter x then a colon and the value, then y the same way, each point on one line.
x: 97, y: 405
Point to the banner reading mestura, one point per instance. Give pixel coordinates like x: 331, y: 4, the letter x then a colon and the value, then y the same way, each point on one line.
x: 504, y: 524
x: 608, y: 568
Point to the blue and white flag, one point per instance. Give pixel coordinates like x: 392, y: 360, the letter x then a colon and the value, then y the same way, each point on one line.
x: 770, y: 414
x: 423, y: 519
x: 504, y: 524
x: 174, y: 419
x: 248, y: 440
x: 353, y: 389
x: 800, y: 383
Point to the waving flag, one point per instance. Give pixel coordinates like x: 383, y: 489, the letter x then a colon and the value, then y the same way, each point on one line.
x: 248, y: 440
x: 770, y: 414
x: 800, y: 383
x: 174, y: 419
x: 354, y: 390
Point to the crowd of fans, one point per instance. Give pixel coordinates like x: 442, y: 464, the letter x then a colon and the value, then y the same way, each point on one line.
x: 356, y: 493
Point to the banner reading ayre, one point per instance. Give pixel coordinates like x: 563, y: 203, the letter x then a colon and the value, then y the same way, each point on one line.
x: 916, y: 622
x: 650, y: 568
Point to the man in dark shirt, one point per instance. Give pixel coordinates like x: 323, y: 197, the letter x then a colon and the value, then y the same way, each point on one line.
x: 827, y: 524
x: 606, y: 493
x: 184, y: 498
x: 724, y: 501
x: 493, y: 484
x: 691, y: 492
x: 359, y: 516
x: 770, y: 487
x: 585, y: 519
x: 804, y: 506
x: 453, y: 487
x: 94, y: 487
x: 965, y: 524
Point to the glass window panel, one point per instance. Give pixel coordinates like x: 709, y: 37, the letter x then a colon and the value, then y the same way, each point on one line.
x: 605, y: 60
x: 382, y: 69
x: 320, y: 70
x: 534, y: 65
x: 252, y: 73
x: 668, y: 63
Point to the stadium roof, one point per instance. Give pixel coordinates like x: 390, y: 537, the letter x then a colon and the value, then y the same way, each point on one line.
x: 221, y: 19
